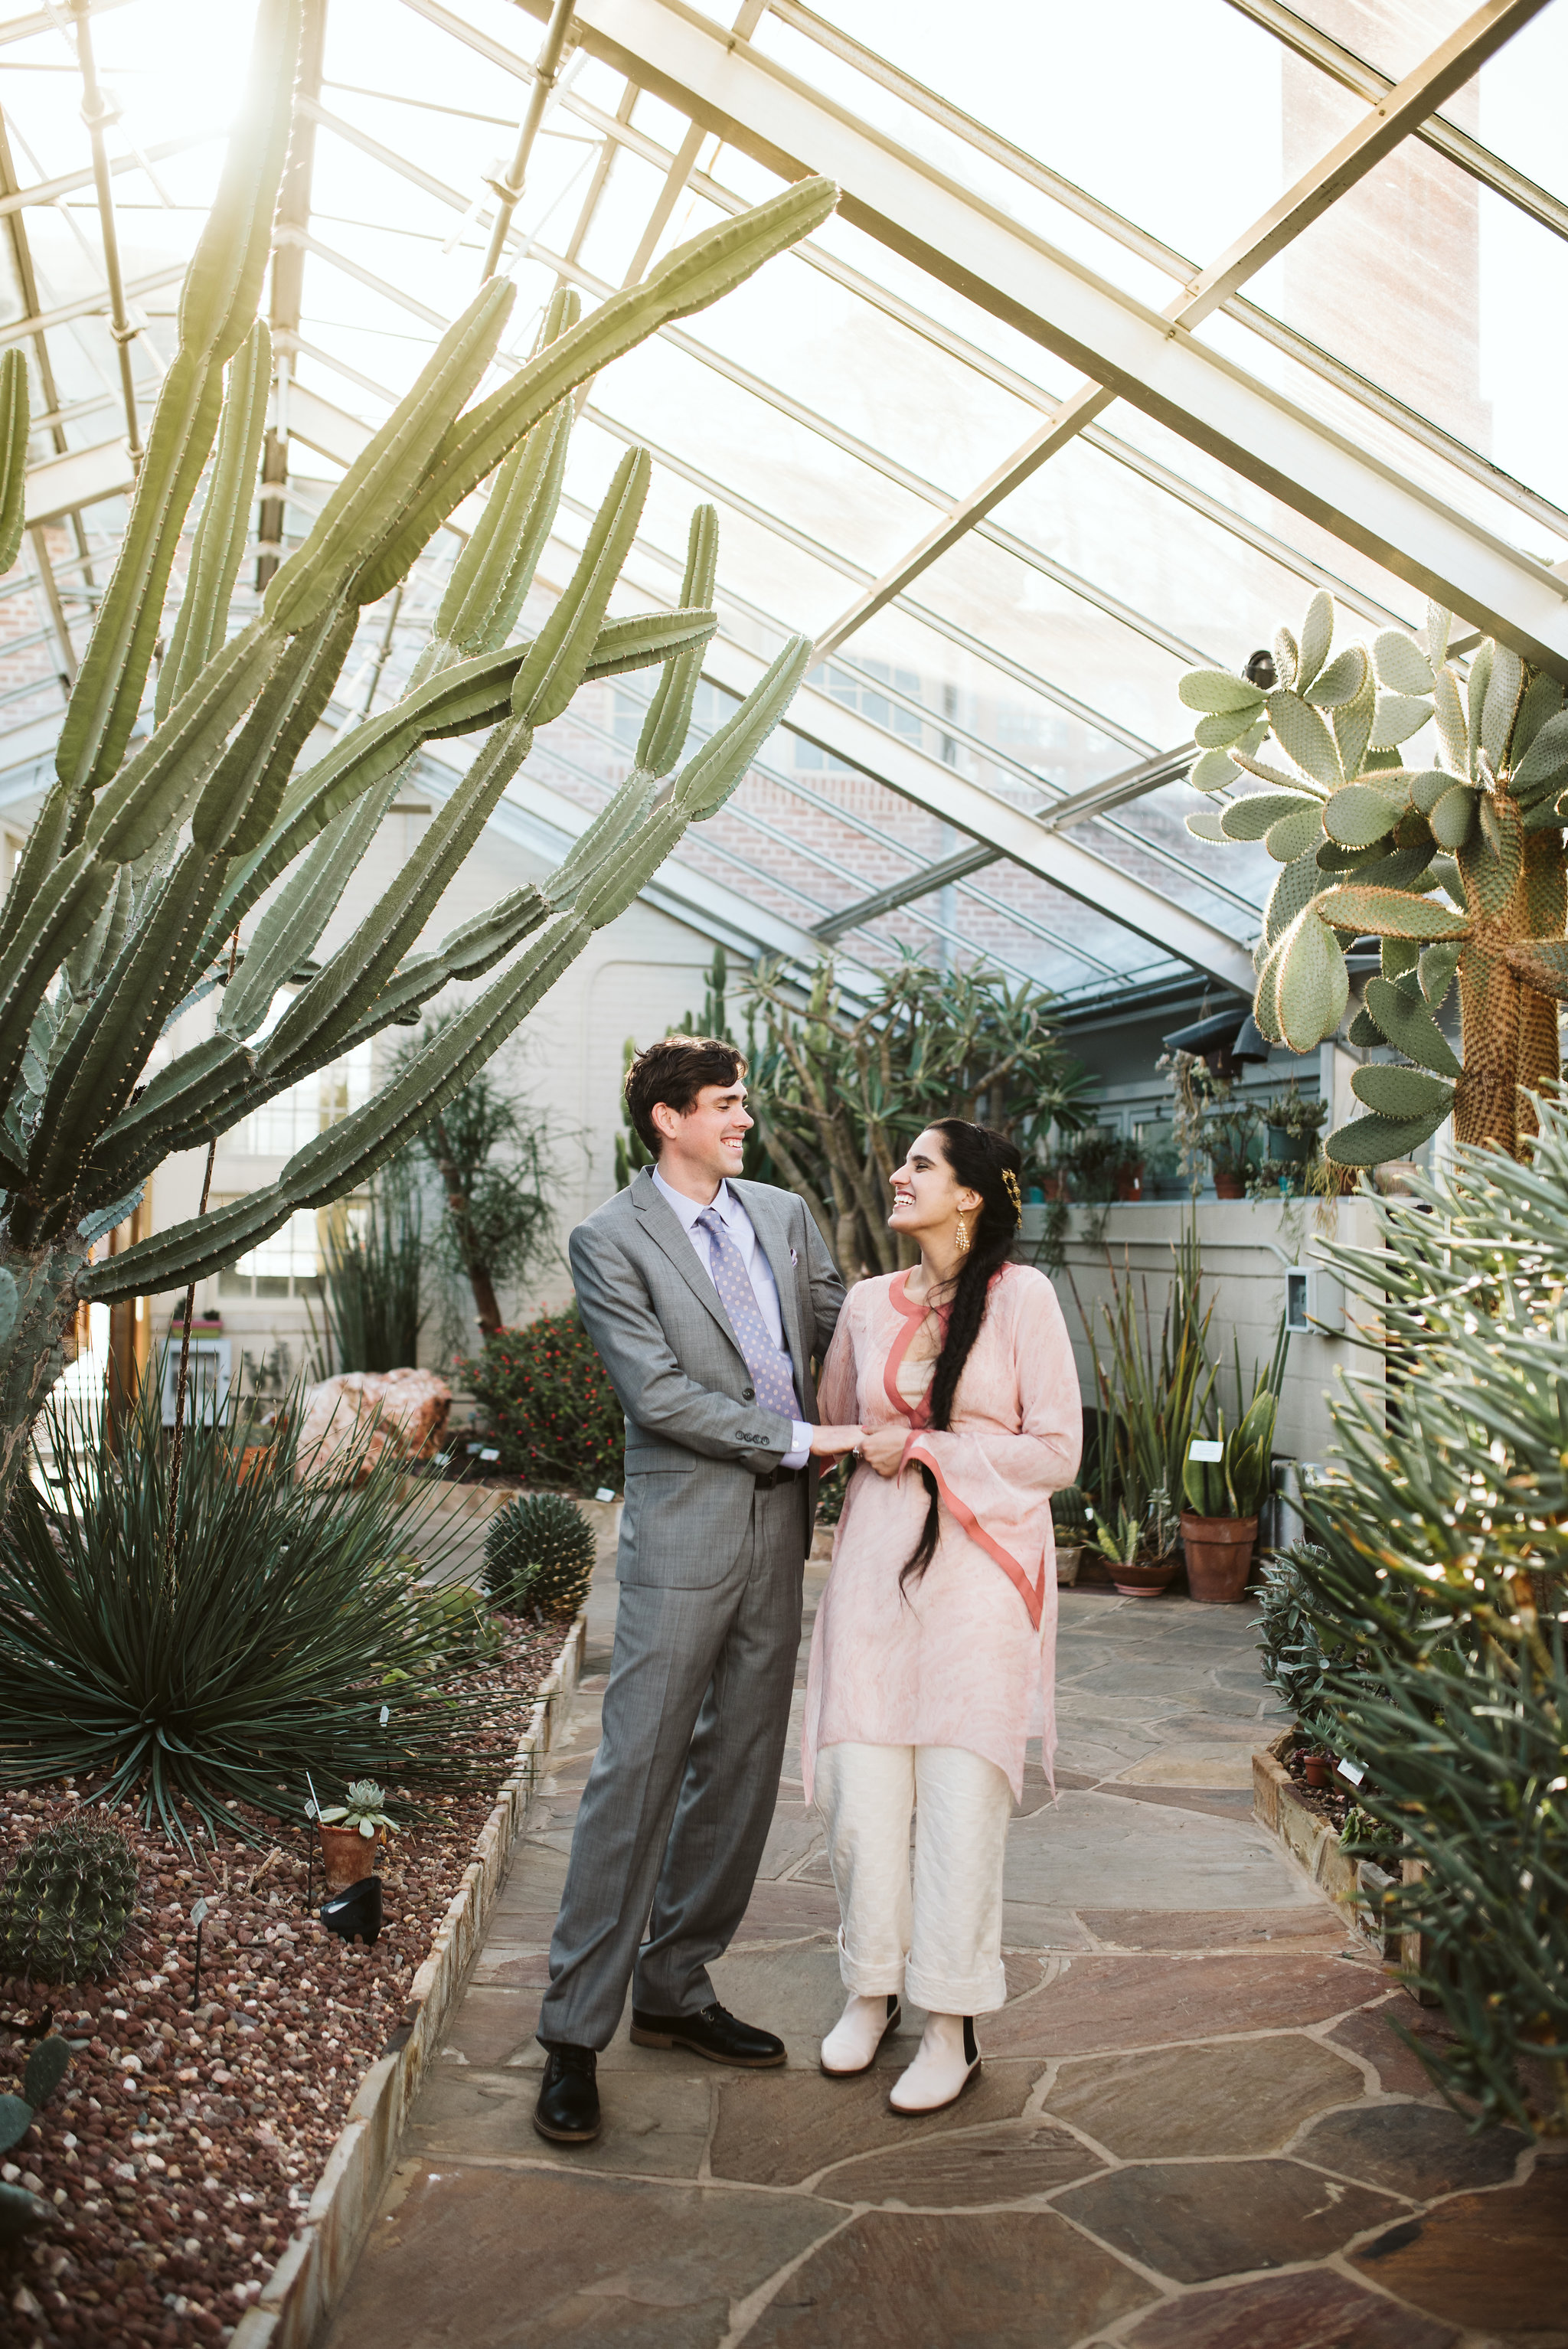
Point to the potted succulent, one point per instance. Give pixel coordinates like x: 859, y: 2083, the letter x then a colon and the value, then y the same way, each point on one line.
x: 1101, y: 1164
x: 1228, y: 1136
x: 1141, y: 1549
x: 350, y: 1831
x: 1225, y: 1478
x: 1069, y: 1518
x: 1294, y: 1123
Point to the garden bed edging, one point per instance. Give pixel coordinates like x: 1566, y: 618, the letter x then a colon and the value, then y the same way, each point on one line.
x: 1356, y: 1887
x: 309, y: 2278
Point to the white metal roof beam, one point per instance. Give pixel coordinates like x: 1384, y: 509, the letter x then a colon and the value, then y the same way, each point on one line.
x: 1343, y: 66
x: 854, y: 742
x: 1345, y: 164
x: 1114, y: 340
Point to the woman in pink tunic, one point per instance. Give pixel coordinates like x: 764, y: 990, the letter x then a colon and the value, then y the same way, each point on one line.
x: 932, y: 1656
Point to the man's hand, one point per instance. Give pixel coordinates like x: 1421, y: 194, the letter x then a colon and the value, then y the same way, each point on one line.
x: 883, y: 1448
x: 828, y: 1442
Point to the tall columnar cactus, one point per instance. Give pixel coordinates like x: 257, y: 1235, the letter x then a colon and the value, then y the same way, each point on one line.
x: 1455, y: 862
x: 148, y: 856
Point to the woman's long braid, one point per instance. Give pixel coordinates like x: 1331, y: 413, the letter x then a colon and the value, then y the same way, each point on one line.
x: 982, y: 1160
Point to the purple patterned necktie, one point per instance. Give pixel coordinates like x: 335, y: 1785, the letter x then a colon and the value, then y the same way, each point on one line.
x: 770, y: 1373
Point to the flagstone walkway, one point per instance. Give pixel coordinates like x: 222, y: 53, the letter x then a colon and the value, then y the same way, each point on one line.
x: 1193, y: 2128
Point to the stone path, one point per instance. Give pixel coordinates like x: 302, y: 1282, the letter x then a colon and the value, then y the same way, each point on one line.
x: 1193, y: 2129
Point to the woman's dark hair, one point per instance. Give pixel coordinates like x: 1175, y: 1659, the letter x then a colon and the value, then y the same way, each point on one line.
x: 980, y: 1160
x: 676, y: 1070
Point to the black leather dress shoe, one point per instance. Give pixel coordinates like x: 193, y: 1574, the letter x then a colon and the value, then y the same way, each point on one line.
x: 568, y: 2108
x: 712, y: 2032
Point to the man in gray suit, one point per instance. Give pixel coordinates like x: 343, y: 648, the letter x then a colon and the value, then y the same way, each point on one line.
x: 708, y: 1299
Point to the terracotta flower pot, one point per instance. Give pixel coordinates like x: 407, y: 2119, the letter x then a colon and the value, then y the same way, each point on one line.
x: 346, y: 1856
x: 1130, y: 1183
x: 1230, y: 1182
x: 1219, y: 1557
x: 1146, y: 1581
x: 1319, y: 1769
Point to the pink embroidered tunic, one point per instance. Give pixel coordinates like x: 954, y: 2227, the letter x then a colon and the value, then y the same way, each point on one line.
x: 969, y: 1658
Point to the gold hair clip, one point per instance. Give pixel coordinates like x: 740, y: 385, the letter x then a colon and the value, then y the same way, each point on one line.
x: 1011, y: 1180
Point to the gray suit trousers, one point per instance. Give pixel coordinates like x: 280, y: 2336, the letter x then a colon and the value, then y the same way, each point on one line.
x: 678, y: 1803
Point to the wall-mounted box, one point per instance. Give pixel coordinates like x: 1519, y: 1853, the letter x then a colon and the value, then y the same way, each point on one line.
x: 1313, y: 1302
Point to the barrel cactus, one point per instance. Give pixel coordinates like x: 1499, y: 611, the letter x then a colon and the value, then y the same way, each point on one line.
x: 538, y: 1556
x: 1454, y: 861
x: 196, y: 859
x: 67, y: 1902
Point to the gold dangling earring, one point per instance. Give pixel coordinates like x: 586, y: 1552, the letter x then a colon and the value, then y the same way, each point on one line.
x: 963, y: 1236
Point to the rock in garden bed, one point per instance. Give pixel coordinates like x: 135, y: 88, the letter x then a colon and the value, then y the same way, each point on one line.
x: 182, y: 2148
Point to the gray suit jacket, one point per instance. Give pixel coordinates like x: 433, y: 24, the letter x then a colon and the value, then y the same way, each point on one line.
x: 695, y: 1436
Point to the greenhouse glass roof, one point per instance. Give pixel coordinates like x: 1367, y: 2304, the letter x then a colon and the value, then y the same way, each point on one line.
x: 1137, y: 323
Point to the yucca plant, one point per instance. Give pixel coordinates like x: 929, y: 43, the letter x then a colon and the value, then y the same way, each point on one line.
x: 280, y: 1633
x: 1438, y: 1586
x: 1455, y: 863
x: 371, y: 1282
x: 146, y: 860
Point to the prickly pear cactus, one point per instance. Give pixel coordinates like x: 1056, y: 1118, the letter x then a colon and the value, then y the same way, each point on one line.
x: 152, y: 866
x: 538, y: 1555
x: 67, y: 1902
x: 1452, y: 854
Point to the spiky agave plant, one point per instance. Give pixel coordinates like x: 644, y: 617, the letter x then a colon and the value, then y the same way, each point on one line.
x: 279, y: 1634
x: 145, y: 861
x: 1457, y: 864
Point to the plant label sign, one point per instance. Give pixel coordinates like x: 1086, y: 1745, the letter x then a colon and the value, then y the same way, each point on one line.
x: 1202, y: 1447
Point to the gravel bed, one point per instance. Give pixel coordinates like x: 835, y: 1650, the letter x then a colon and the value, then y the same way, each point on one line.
x: 183, y: 2146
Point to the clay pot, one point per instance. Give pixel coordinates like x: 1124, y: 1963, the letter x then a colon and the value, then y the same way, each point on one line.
x: 1319, y: 1769
x: 1219, y: 1557
x: 1055, y: 1186
x: 1230, y: 1182
x: 1146, y: 1581
x: 1130, y: 1183
x: 346, y: 1856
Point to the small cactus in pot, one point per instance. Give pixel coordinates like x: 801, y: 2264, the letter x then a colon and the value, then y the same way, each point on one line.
x: 350, y: 1831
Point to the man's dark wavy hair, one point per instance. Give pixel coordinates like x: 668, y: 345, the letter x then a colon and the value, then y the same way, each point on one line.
x: 676, y: 1070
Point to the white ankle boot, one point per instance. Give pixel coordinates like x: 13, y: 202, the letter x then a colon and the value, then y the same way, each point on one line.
x: 947, y: 2062
x: 852, y: 2044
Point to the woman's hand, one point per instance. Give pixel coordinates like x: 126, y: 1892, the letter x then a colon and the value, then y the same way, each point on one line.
x: 882, y: 1447
x: 828, y: 1442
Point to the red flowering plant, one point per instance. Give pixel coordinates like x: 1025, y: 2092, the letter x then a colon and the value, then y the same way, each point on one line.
x: 547, y: 1405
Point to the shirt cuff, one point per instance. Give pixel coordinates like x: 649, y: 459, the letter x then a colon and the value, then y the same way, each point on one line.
x: 799, y: 1450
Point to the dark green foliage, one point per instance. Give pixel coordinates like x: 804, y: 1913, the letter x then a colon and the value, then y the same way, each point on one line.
x: 220, y: 1669
x: 1441, y: 1578
x: 489, y: 1161
x: 67, y: 1902
x: 839, y: 1092
x: 1295, y: 1662
x: 22, y: 2213
x: 373, y: 1277
x: 547, y: 1405
x: 47, y: 2067
x: 538, y: 1556
x: 1069, y: 1512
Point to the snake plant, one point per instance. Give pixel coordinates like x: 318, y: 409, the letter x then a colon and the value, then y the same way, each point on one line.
x: 1455, y: 862
x: 161, y: 844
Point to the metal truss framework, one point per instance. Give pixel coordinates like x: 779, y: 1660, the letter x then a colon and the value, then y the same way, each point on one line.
x: 731, y: 93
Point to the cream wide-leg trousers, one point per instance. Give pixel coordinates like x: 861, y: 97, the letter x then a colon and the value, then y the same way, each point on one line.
x: 940, y: 1943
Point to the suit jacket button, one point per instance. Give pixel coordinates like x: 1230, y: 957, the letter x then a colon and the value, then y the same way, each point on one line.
x: 748, y: 1394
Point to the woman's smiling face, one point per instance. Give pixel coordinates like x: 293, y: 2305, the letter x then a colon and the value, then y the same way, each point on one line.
x: 926, y: 1194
